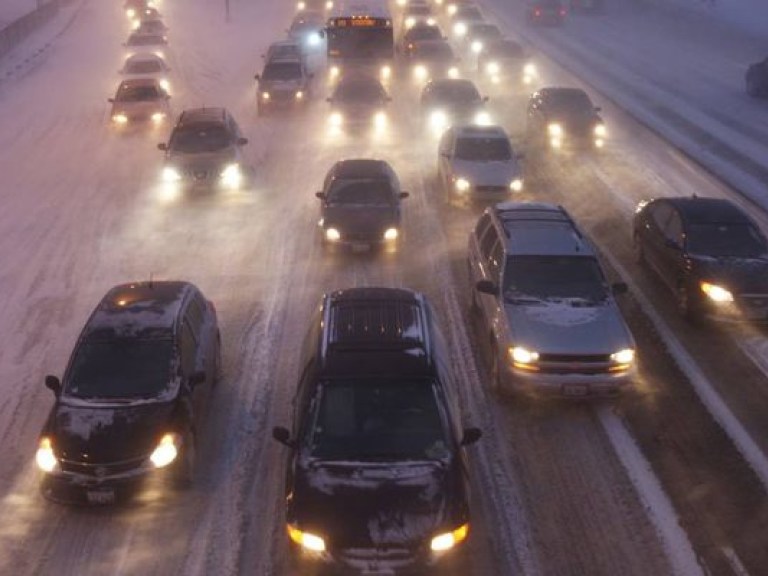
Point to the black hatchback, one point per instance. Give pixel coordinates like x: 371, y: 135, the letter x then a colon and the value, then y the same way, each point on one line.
x: 564, y: 117
x: 132, y: 396
x: 709, y: 252
x: 360, y: 204
x: 377, y: 479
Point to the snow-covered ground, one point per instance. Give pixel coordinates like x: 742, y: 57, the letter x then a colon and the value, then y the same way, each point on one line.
x: 11, y: 10
x: 751, y: 15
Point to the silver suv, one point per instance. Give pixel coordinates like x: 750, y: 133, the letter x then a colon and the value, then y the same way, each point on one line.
x: 548, y: 311
x: 284, y: 82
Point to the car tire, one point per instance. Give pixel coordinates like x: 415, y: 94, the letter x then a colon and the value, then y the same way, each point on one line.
x: 184, y: 474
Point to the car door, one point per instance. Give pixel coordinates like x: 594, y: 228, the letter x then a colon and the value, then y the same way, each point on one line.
x: 651, y: 233
x: 671, y: 255
x: 489, y: 270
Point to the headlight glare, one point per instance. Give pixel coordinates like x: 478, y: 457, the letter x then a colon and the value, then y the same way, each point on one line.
x: 44, y: 457
x: 460, y: 29
x: 482, y: 118
x: 332, y: 235
x: 555, y: 130
x: 232, y: 176
x: 391, y: 234
x: 477, y: 46
x: 120, y: 119
x: 601, y: 131
x: 453, y: 72
x: 336, y: 119
x: 716, y: 293
x: 158, y: 117
x: 420, y: 72
x: 306, y: 540
x: 448, y: 540
x: 462, y: 184
x: 492, y: 68
x: 166, y: 451
x: 516, y: 185
x: 625, y: 356
x: 523, y: 356
x: 170, y: 174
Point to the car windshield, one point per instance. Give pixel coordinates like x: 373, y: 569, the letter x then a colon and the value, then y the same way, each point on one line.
x: 378, y: 419
x: 363, y: 192
x: 738, y: 240
x: 120, y: 368
x: 143, y: 67
x: 463, y: 92
x: 570, y: 101
x: 206, y: 138
x: 140, y: 93
x: 483, y: 149
x: 282, y: 71
x: 145, y: 40
x: 529, y: 279
x: 283, y: 51
x: 359, y: 91
x: 423, y: 33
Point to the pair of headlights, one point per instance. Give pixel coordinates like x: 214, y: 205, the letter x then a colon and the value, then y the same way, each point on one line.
x: 440, y: 120
x: 333, y: 234
x: 528, y: 359
x: 298, y: 95
x: 166, y: 451
x: 463, y: 184
x: 122, y: 119
x: 421, y: 72
x: 440, y: 543
x: 230, y: 177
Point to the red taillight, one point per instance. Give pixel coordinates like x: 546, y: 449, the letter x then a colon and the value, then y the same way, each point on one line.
x: 537, y: 12
x: 562, y: 11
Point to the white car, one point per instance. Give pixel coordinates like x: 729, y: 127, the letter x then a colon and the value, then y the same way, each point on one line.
x: 478, y: 163
x: 147, y: 65
x: 139, y: 100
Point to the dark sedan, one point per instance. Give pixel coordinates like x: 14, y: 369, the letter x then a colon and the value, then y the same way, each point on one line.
x: 564, y: 118
x: 449, y: 101
x: 757, y: 79
x: 545, y: 12
x: 358, y: 101
x: 433, y: 59
x: 130, y: 403
x: 709, y: 252
x: 361, y: 204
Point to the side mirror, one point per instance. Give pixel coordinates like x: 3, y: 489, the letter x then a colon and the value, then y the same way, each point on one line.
x: 619, y: 288
x: 257, y: 77
x: 241, y: 141
x: 471, y: 435
x: 197, y: 378
x: 404, y: 195
x: 282, y: 435
x: 54, y: 384
x: 162, y: 146
x: 320, y: 195
x: 487, y: 287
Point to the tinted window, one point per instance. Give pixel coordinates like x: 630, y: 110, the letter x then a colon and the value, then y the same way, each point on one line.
x: 363, y: 192
x: 424, y: 33
x: 433, y: 51
x: 483, y: 149
x: 553, y: 278
x: 206, y: 138
x: 742, y: 240
x: 120, y: 368
x: 570, y: 101
x: 282, y: 71
x: 379, y: 419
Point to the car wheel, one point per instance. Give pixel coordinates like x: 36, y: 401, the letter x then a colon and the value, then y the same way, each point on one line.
x: 184, y: 476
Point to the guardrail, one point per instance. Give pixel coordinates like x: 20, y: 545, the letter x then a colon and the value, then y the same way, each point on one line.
x: 17, y: 31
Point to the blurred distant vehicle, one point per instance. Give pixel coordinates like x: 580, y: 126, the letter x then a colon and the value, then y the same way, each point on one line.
x: 283, y: 50
x: 431, y: 59
x: 138, y: 40
x: 505, y: 61
x: 418, y: 32
x: 449, y: 101
x: 150, y: 26
x: 284, y: 82
x: 146, y: 13
x: 479, y: 34
x: 417, y: 13
x: 205, y: 149
x: 307, y: 29
x: 757, y: 79
x: 134, y: 395
x: 564, y: 118
x: 360, y: 204
x: 586, y: 5
x: 359, y: 101
x: 708, y: 252
x: 478, y: 163
x: 147, y: 65
x: 545, y: 12
x: 462, y: 17
x: 133, y: 7
x: 314, y: 5
x: 139, y: 100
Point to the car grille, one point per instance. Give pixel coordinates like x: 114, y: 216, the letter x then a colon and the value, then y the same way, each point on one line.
x: 100, y: 470
x: 575, y: 364
x: 199, y: 173
x: 492, y: 189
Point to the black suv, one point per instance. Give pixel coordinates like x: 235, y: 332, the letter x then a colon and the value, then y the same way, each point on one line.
x: 360, y: 204
x: 377, y: 475
x: 564, y: 118
x: 133, y: 393
x: 205, y: 148
x: 709, y: 252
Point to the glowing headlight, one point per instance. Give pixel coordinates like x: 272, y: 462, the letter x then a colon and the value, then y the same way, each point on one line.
x: 438, y: 120
x: 165, y: 85
x: 492, y: 68
x: 329, y: 5
x: 135, y: 25
x: 482, y: 118
x: 313, y: 39
x: 158, y: 117
x: 120, y: 119
x: 626, y: 356
x: 334, y: 72
x: 516, y: 185
x: 336, y: 119
x: 716, y: 293
x: 45, y: 458
x: 523, y: 357
x: 390, y: 234
x: 555, y: 130
x: 380, y: 119
x: 452, y: 9
x: 265, y: 96
x: 232, y: 176
x: 420, y: 72
x: 385, y: 72
x: 332, y: 235
x: 448, y: 540
x: 529, y: 69
x: 600, y: 131
x: 166, y: 451
x: 462, y: 184
x: 453, y: 72
x: 306, y: 540
x: 130, y: 12
x: 170, y: 174
x: 159, y: 53
x: 460, y: 29
x: 410, y: 21
x: 401, y: 2
x: 477, y: 46
x: 431, y: 22
x: 301, y: 6
x: 299, y: 95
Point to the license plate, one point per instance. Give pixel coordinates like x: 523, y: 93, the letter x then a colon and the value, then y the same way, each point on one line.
x: 575, y: 389
x: 100, y: 496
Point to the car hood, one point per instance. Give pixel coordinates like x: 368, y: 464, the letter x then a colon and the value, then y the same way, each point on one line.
x: 363, y: 505
x: 110, y: 433
x: 360, y: 218
x: 487, y: 173
x: 740, y: 275
x: 292, y: 84
x: 563, y: 327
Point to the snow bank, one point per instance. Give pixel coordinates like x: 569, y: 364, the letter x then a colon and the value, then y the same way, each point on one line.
x: 751, y: 15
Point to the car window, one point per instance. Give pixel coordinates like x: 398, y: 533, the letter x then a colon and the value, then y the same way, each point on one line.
x: 281, y: 71
x: 725, y: 239
x: 541, y: 278
x: 569, y: 102
x: 120, y: 368
x: 660, y: 214
x: 673, y: 229
x: 361, y: 192
x: 433, y: 50
x: 378, y: 420
x: 455, y: 92
x: 140, y: 93
x: 482, y: 226
x: 200, y: 138
x: 144, y: 67
x: 188, y: 349
x: 423, y: 33
x: 483, y: 149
